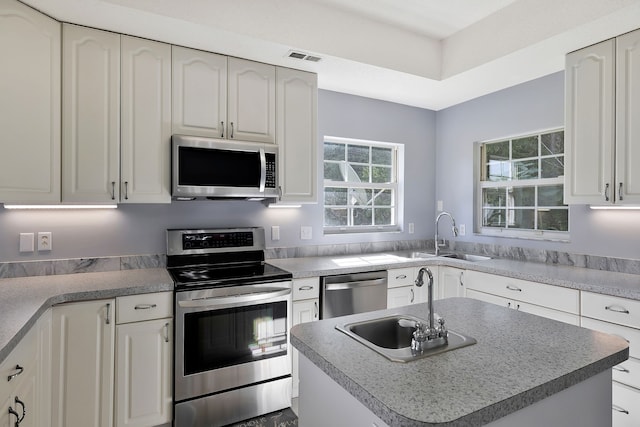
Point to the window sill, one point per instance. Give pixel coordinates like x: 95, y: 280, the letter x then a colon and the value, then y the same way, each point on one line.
x: 360, y: 230
x: 549, y: 236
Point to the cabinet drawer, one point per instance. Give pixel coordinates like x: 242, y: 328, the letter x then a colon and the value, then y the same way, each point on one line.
x: 629, y: 334
x: 626, y: 412
x: 628, y: 372
x: 136, y: 308
x: 400, y: 277
x: 549, y: 296
x: 23, y: 355
x: 307, y: 288
x: 611, y: 309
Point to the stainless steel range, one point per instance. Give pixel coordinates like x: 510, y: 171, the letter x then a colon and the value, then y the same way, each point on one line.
x: 233, y: 314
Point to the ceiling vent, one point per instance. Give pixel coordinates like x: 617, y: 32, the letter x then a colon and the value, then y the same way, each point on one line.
x: 303, y: 56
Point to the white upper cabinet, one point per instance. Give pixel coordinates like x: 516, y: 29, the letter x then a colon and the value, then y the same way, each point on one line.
x: 627, y: 114
x: 91, y: 115
x: 602, y: 96
x: 252, y: 101
x: 297, y: 106
x: 146, y: 121
x: 29, y: 105
x: 199, y: 93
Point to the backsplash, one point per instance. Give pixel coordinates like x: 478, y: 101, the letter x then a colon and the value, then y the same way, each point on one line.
x: 92, y: 265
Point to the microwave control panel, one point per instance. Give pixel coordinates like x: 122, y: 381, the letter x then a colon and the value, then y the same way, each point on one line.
x: 270, y: 180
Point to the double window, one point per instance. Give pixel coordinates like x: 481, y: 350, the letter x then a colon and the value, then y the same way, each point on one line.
x: 520, y: 190
x: 361, y: 185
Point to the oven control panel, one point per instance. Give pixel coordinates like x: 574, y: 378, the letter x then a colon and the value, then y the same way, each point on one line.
x: 199, y: 241
x: 217, y: 240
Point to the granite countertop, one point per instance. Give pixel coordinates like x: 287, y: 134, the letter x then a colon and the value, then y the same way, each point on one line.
x: 599, y: 281
x: 23, y: 300
x: 513, y: 364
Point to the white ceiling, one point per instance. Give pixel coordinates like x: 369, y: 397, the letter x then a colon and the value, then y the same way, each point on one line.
x: 426, y: 53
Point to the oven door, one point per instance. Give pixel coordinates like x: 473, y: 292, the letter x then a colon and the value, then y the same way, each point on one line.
x: 231, y: 337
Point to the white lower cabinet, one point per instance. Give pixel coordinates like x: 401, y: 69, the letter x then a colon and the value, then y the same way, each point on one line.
x: 83, y: 338
x: 306, y: 308
x: 451, y: 282
x: 626, y: 412
x: 402, y: 289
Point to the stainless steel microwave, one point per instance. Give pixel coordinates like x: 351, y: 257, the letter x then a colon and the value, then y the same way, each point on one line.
x: 208, y: 168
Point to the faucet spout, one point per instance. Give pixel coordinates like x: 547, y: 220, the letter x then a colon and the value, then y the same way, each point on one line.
x: 454, y: 229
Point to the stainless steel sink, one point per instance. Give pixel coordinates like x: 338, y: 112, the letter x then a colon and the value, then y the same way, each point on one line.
x: 391, y: 337
x: 419, y: 254
x: 466, y: 257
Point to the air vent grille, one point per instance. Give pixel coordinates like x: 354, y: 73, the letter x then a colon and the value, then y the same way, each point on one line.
x: 303, y: 56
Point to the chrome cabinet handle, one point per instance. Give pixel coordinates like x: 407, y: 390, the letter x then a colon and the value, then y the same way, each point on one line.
x: 620, y: 192
x: 462, y: 278
x: 621, y: 369
x: 619, y: 409
x: 514, y: 288
x: 108, y: 319
x: 144, y: 306
x: 19, y: 418
x: 305, y: 288
x: 113, y: 190
x: 18, y: 368
x: 221, y: 129
x: 279, y: 193
x: 315, y: 308
x: 231, y: 135
x: 412, y: 295
x: 402, y: 276
x: 126, y: 190
x: 617, y: 309
x: 166, y: 332
x: 606, y: 192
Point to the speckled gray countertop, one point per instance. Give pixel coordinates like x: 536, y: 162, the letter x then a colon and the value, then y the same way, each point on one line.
x: 513, y: 364
x: 24, y: 299
x: 586, y: 279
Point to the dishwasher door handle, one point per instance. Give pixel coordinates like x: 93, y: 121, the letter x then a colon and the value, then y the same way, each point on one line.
x: 355, y: 284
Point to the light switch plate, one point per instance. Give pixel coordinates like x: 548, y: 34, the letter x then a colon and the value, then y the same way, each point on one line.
x: 306, y: 232
x: 440, y: 206
x: 275, y: 232
x: 26, y: 242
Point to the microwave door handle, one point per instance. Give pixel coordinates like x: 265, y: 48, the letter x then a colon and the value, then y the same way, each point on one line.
x: 263, y: 170
x: 233, y: 299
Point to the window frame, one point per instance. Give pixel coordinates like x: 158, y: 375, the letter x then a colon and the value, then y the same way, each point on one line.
x: 479, y: 185
x: 397, y: 186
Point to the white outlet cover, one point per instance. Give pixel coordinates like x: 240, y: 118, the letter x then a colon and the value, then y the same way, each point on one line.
x: 44, y: 241
x: 26, y: 242
x: 275, y: 232
x: 306, y: 232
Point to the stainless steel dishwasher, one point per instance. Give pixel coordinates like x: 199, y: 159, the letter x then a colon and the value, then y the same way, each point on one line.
x: 345, y: 294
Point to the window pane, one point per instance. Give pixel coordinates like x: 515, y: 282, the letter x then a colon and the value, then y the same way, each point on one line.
x: 335, y: 196
x: 552, y: 167
x: 381, y: 156
x: 550, y: 195
x: 357, y: 173
x: 380, y: 174
x: 383, y: 198
x: 358, y: 154
x: 552, y: 143
x: 553, y: 219
x: 335, y: 217
x: 497, y: 151
x: 382, y: 216
x: 527, y: 169
x: 494, y: 197
x: 522, y: 196
x: 359, y: 197
x: 494, y: 218
x: 498, y: 171
x: 522, y: 218
x: 333, y: 171
x: 333, y: 151
x: 525, y: 147
x: 362, y: 216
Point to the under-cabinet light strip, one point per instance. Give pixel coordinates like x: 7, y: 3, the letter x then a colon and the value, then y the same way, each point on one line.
x: 615, y: 208
x: 60, y: 207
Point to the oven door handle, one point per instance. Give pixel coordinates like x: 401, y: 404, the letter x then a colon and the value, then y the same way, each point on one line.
x: 233, y: 299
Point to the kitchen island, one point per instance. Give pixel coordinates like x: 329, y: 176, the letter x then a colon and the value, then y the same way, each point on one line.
x: 522, y: 369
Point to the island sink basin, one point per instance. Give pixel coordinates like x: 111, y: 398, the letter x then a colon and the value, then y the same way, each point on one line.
x: 390, y: 337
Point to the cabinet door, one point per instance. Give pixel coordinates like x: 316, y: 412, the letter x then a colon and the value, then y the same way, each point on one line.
x: 83, y: 364
x: 589, y: 127
x: 451, y: 282
x: 297, y: 104
x: 146, y: 121
x: 199, y: 93
x: 303, y: 311
x: 29, y: 105
x: 398, y: 297
x: 91, y: 115
x: 143, y: 373
x: 627, y: 113
x: 252, y: 101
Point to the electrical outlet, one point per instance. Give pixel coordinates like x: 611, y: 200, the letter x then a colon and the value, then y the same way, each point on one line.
x: 440, y: 206
x: 26, y: 242
x: 45, y: 242
x: 306, y: 232
x: 275, y: 232
x: 411, y: 228
x: 461, y: 230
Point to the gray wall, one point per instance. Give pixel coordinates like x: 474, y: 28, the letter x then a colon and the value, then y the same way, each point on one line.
x: 140, y: 229
x: 529, y: 107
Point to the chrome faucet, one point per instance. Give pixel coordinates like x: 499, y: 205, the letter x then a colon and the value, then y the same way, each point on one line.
x: 453, y: 228
x: 428, y: 336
